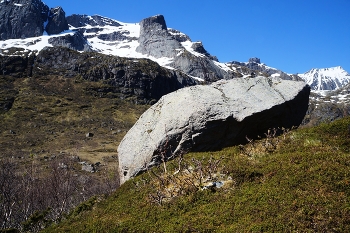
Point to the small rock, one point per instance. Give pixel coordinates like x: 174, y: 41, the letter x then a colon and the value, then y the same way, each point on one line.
x: 62, y: 166
x: 88, y: 167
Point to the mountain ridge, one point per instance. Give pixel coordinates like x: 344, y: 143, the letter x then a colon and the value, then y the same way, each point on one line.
x: 331, y: 78
x: 112, y: 37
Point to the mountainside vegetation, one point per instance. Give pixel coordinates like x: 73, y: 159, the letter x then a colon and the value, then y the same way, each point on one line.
x: 297, y: 182
x: 59, y: 157
x: 58, y: 141
x: 64, y: 112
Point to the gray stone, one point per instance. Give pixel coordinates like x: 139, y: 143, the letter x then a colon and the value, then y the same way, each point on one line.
x: 200, y: 66
x: 155, y: 40
x: 57, y: 22
x: 77, y: 20
x: 22, y: 18
x: 115, y: 36
x: 254, y: 60
x: 210, y: 117
x: 87, y: 167
x: 199, y: 48
x: 62, y: 166
x: 179, y: 36
x: 77, y: 41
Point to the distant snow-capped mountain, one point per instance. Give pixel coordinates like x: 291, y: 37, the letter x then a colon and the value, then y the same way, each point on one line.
x: 254, y: 64
x: 326, y: 79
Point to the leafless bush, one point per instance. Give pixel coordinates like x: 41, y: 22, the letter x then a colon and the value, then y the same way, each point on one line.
x: 188, y: 176
x: 268, y: 144
x: 34, y: 196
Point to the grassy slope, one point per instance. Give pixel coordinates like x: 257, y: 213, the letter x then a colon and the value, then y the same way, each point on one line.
x: 303, y: 186
x: 51, y: 115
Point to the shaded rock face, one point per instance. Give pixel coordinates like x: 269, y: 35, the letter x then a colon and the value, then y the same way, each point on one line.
x: 114, y: 36
x: 77, y: 20
x: 201, y: 67
x: 17, y: 66
x: 254, y: 60
x: 203, y: 118
x: 140, y: 80
x: 179, y: 36
x: 77, y: 41
x: 199, y: 48
x: 57, y: 22
x: 22, y: 18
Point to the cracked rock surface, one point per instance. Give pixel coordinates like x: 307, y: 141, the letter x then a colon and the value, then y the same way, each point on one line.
x: 210, y: 117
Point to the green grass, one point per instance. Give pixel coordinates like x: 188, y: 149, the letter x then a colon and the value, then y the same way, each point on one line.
x: 303, y: 186
x: 52, y: 114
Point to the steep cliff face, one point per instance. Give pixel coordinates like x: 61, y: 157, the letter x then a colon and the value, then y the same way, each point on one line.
x: 30, y: 18
x: 140, y: 79
x: 155, y: 40
x: 22, y: 18
x: 75, y: 41
x: 57, y: 22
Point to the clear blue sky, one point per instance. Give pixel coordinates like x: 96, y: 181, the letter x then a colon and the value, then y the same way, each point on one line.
x: 293, y: 36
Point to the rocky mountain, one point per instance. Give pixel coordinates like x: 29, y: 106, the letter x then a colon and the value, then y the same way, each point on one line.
x: 22, y: 19
x: 151, y: 38
x: 255, y: 65
x: 140, y: 79
x: 327, y: 106
x: 30, y: 26
x: 326, y: 79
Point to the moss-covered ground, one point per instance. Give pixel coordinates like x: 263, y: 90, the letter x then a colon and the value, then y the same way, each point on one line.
x: 303, y: 185
x: 51, y: 115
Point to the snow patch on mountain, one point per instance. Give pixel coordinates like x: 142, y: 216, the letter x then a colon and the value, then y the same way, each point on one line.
x: 96, y: 29
x: 35, y: 44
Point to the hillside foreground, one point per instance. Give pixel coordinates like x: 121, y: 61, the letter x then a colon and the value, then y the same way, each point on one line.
x: 297, y: 182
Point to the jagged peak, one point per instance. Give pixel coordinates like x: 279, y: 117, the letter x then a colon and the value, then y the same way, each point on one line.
x: 153, y: 21
x: 254, y: 60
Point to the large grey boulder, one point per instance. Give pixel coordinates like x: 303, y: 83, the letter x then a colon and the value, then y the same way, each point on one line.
x: 209, y: 117
x: 22, y: 18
